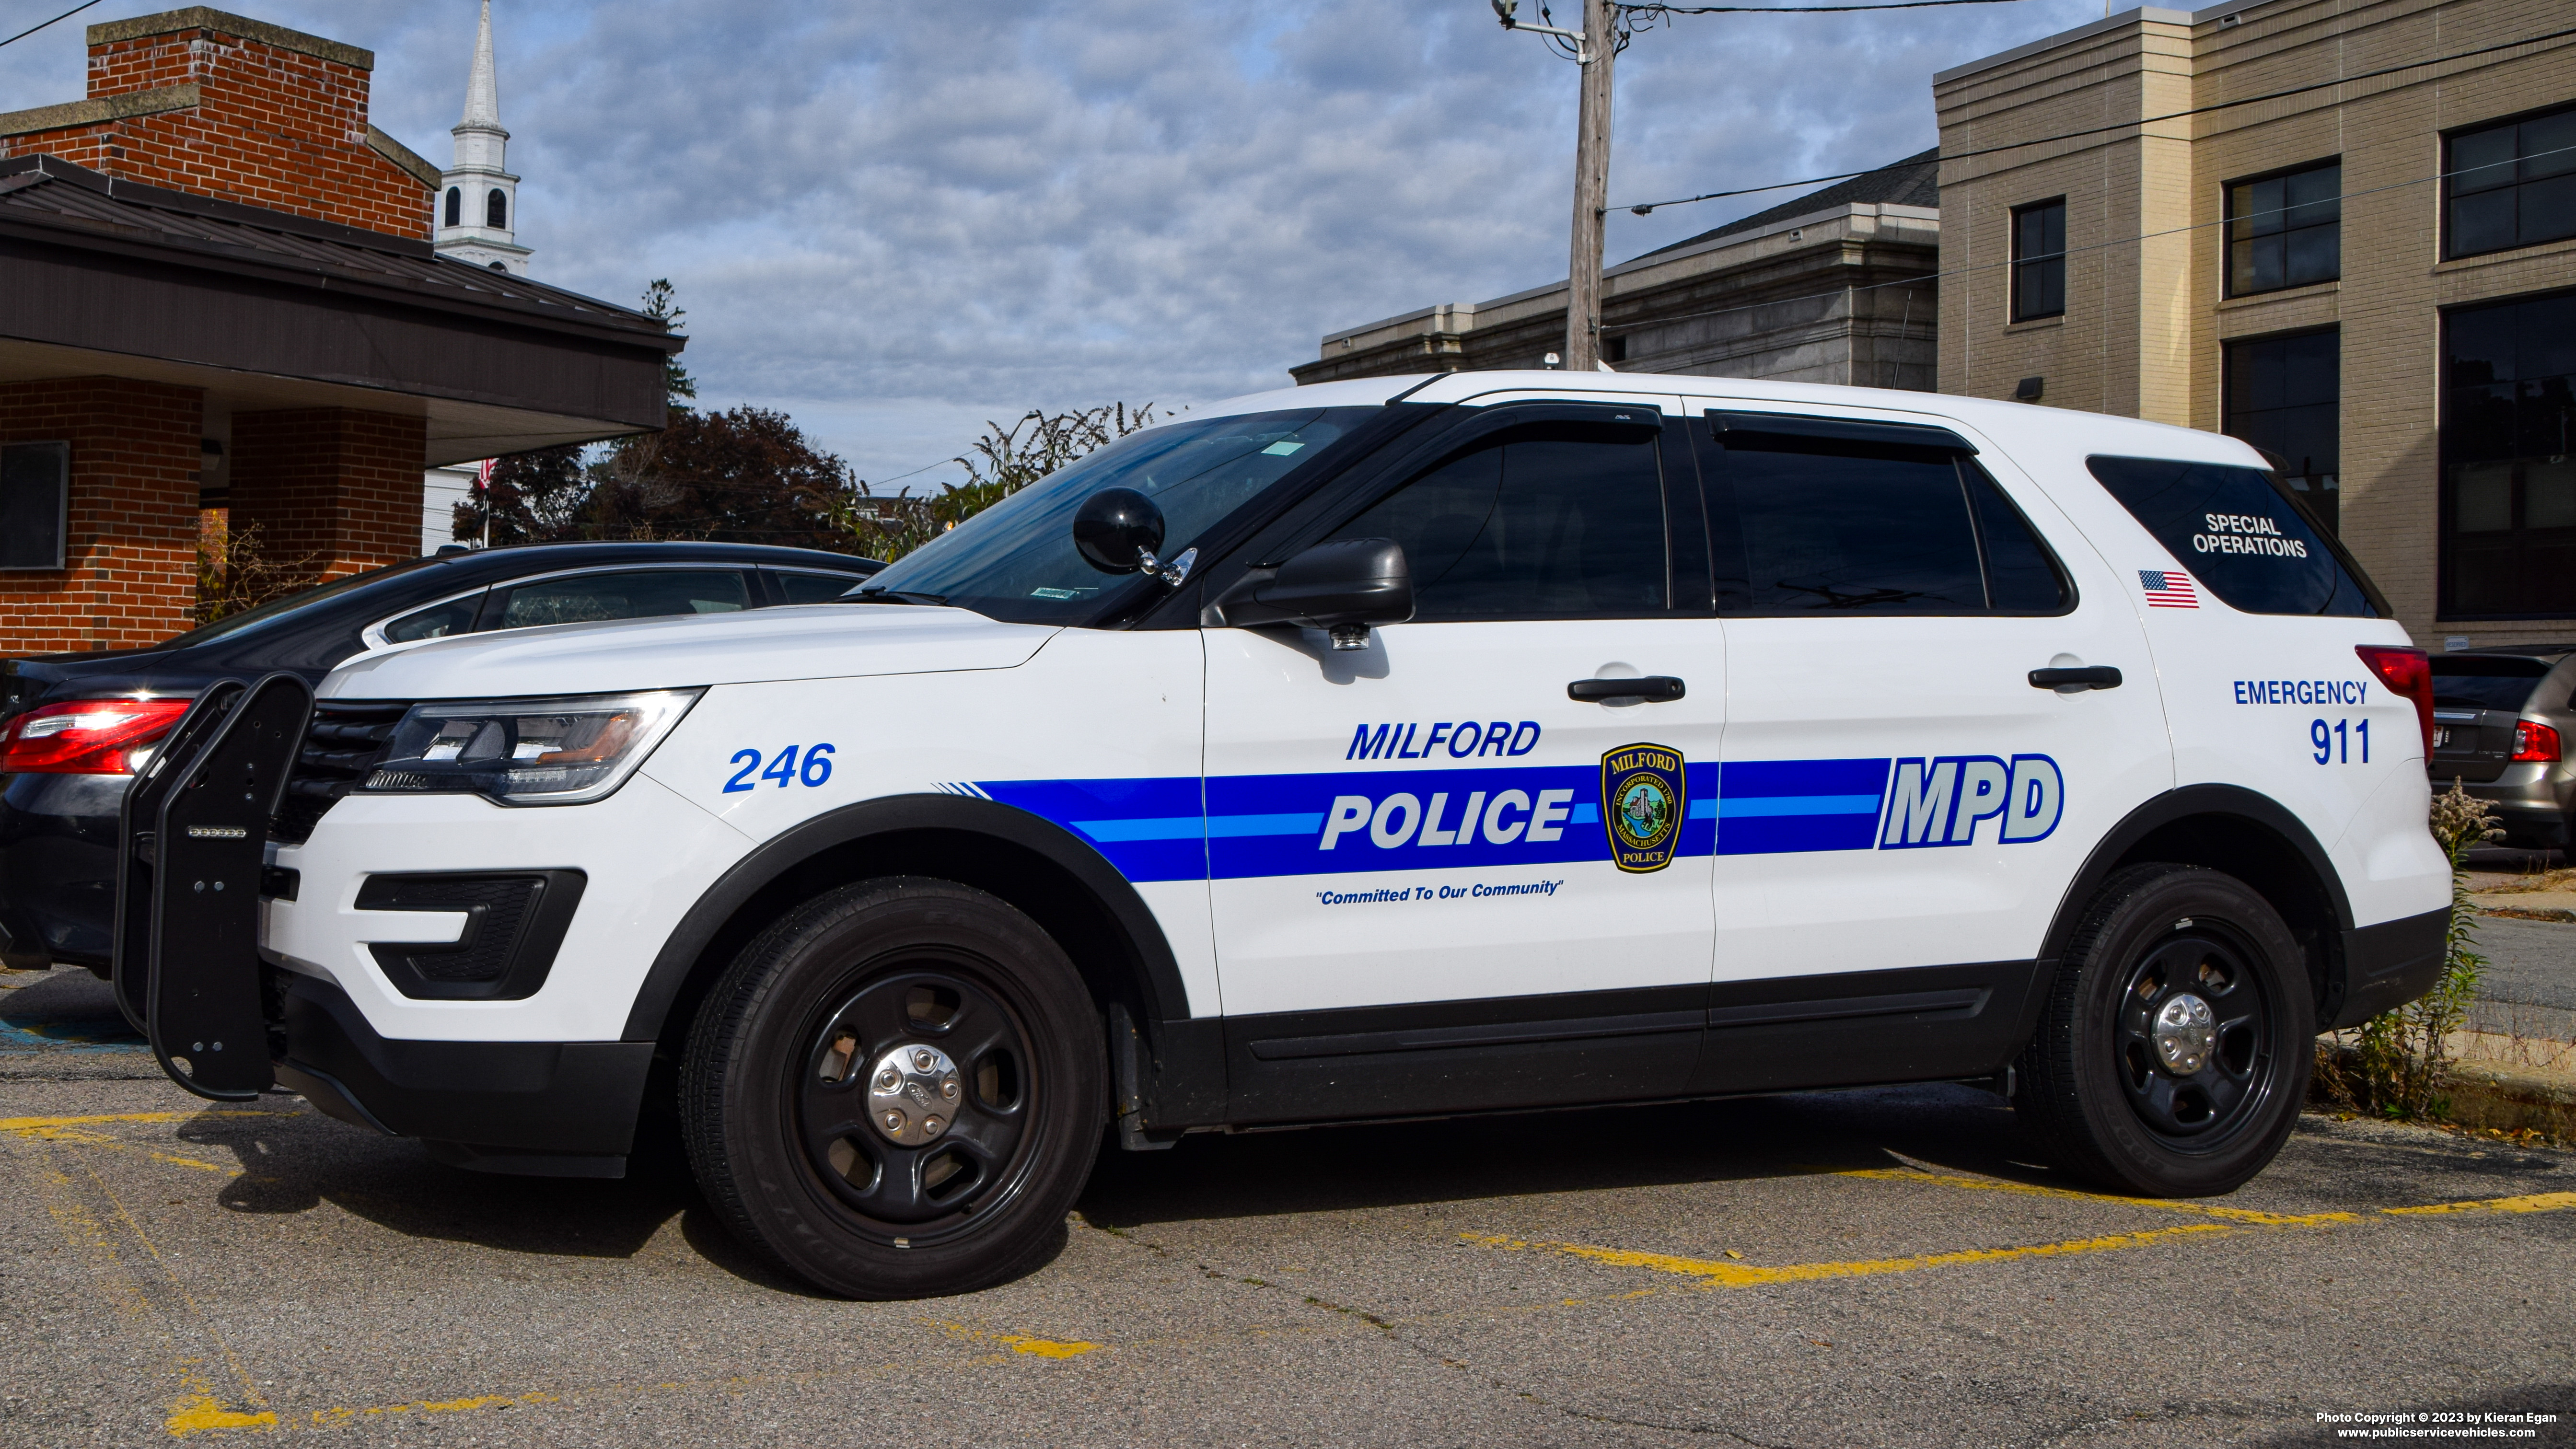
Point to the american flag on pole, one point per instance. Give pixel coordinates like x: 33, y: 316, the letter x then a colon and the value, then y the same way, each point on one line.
x: 2168, y: 589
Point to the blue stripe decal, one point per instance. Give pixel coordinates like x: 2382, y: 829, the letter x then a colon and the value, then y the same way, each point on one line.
x: 1170, y: 827
x: 1169, y: 839
x: 1773, y: 807
x: 1243, y: 826
x: 1798, y: 805
x: 1235, y: 826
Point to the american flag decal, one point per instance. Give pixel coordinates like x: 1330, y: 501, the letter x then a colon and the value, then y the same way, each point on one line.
x: 2168, y: 589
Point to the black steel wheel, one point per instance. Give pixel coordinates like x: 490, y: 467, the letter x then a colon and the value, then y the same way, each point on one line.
x: 2175, y: 1049
x: 2194, y: 1035
x: 896, y: 1091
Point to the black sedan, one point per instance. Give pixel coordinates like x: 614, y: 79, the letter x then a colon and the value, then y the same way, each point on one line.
x: 74, y: 726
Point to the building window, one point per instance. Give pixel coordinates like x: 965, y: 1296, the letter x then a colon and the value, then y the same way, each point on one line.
x: 2509, y: 459
x: 2285, y: 230
x: 496, y: 210
x: 35, y: 503
x: 2283, y: 397
x: 2039, y: 260
x: 455, y: 207
x: 2510, y: 185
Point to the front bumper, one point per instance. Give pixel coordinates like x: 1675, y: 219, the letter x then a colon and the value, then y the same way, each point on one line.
x: 548, y: 1109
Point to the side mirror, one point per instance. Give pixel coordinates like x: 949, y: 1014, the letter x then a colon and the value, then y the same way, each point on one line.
x: 1118, y: 530
x: 1342, y: 587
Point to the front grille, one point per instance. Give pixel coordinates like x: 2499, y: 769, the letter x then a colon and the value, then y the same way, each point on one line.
x: 340, y: 749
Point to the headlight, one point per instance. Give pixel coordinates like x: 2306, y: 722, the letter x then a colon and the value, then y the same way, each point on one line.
x: 527, y: 751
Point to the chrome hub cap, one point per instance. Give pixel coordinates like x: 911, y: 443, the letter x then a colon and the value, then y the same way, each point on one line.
x: 913, y: 1091
x: 2184, y: 1031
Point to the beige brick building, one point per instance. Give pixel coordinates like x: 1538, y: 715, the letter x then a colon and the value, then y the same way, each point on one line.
x: 2374, y: 280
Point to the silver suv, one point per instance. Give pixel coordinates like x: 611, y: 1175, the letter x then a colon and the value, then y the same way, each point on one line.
x: 2500, y: 719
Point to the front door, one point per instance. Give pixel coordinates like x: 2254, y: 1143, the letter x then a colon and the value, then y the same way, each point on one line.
x: 1440, y: 881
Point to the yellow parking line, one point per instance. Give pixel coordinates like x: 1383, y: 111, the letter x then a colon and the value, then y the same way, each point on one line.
x: 27, y: 1125
x: 1997, y: 1184
x: 2538, y: 1202
x: 1724, y: 1274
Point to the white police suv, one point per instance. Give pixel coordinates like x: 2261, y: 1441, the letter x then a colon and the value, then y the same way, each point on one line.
x: 1471, y: 743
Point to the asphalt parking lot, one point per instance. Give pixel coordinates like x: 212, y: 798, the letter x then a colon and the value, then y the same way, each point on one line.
x: 1881, y: 1267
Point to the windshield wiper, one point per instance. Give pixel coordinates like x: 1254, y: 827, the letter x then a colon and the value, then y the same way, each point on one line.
x: 894, y: 596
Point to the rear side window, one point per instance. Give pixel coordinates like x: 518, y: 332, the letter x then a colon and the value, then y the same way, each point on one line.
x: 1563, y: 522
x: 2240, y: 534
x: 2486, y: 681
x: 799, y: 587
x: 438, y: 621
x: 1829, y: 528
x: 633, y: 594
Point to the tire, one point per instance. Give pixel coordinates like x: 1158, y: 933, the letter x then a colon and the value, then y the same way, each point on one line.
x: 1000, y: 1084
x: 2130, y: 1105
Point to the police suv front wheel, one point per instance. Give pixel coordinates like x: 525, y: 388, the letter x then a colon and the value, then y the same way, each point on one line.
x: 2175, y: 1049
x: 896, y: 1091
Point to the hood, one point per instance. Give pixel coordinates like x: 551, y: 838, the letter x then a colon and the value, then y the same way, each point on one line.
x: 812, y: 641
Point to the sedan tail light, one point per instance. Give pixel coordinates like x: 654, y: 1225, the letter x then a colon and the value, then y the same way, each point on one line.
x: 2534, y: 741
x: 86, y: 736
x: 2408, y: 672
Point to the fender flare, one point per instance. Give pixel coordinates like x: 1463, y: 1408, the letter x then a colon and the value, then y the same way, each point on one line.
x: 1166, y: 997
x: 2189, y: 801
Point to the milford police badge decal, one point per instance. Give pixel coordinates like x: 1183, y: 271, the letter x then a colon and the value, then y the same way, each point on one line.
x: 1641, y: 801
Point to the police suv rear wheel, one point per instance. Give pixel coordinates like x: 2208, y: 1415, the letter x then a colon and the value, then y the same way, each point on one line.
x: 2175, y: 1049
x: 896, y: 1091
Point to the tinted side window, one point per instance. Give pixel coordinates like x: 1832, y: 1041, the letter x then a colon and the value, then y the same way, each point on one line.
x: 438, y: 621
x: 1833, y: 530
x: 1558, y: 522
x: 803, y: 588
x: 2240, y: 535
x: 636, y: 594
x: 2022, y: 576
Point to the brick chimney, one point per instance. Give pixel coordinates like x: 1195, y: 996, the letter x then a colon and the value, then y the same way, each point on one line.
x: 201, y: 101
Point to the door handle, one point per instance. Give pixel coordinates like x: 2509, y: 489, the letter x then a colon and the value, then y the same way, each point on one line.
x: 1656, y: 688
x: 2092, y: 676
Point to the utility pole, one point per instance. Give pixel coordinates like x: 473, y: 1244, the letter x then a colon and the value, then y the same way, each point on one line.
x: 1591, y: 190
x: 1593, y: 47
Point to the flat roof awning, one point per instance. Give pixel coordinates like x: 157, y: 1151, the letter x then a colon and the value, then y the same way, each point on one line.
x: 269, y: 311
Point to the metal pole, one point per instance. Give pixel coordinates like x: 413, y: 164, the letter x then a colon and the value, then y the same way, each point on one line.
x: 1591, y: 191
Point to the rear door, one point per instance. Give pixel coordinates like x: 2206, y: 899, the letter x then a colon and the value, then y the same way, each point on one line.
x: 1417, y: 898
x: 1900, y: 809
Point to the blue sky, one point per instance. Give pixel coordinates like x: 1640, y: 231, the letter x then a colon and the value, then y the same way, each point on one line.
x: 897, y: 221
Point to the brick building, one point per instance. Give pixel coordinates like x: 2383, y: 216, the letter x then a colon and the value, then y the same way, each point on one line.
x: 1835, y: 286
x: 2375, y: 280
x: 218, y: 289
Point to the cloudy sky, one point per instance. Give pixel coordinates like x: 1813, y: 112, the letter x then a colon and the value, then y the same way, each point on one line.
x: 895, y: 221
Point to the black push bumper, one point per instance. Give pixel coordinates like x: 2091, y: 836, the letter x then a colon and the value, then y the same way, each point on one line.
x: 2388, y: 965
x: 544, y: 1109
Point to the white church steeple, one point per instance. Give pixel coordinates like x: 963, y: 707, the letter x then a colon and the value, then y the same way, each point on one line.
x: 478, y: 200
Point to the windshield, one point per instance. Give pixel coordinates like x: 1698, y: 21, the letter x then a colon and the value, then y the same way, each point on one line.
x: 276, y: 609
x: 1016, y: 560
x: 2473, y: 681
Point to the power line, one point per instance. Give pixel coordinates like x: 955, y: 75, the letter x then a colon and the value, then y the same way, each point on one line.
x: 1631, y: 329
x: 32, y: 29
x: 1643, y: 209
